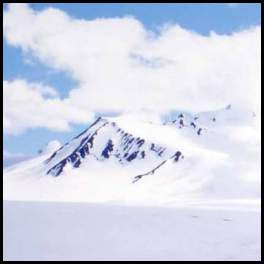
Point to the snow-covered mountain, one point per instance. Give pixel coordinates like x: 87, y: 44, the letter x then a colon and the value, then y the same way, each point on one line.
x: 103, y: 140
x: 202, y: 155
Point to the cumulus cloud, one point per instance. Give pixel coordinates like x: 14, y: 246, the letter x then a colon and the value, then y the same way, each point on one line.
x: 121, y: 66
x: 52, y: 146
x: 27, y: 105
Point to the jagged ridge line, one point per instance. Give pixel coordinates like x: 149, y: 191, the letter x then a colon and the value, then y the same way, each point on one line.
x: 89, y: 137
x: 55, y: 153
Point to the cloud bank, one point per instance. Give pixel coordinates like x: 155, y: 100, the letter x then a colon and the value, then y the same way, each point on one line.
x: 27, y: 105
x: 121, y: 66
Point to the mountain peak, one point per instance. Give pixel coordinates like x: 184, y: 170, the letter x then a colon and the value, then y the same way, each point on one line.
x: 105, y: 139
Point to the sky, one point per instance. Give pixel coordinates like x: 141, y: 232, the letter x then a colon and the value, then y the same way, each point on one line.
x: 65, y: 64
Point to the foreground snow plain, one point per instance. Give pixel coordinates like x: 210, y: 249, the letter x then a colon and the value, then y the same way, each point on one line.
x: 82, y: 231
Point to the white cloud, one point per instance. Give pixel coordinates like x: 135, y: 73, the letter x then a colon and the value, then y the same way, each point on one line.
x: 121, y: 66
x: 6, y: 153
x: 28, y: 105
x: 233, y: 4
x: 52, y: 146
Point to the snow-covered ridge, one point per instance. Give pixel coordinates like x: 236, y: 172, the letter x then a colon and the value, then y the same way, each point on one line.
x: 204, y: 123
x: 103, y: 140
x: 183, y: 121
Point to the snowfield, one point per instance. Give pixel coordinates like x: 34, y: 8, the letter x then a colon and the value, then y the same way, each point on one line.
x: 81, y: 231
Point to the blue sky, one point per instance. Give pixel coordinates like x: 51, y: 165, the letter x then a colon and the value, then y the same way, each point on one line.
x: 201, y: 18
